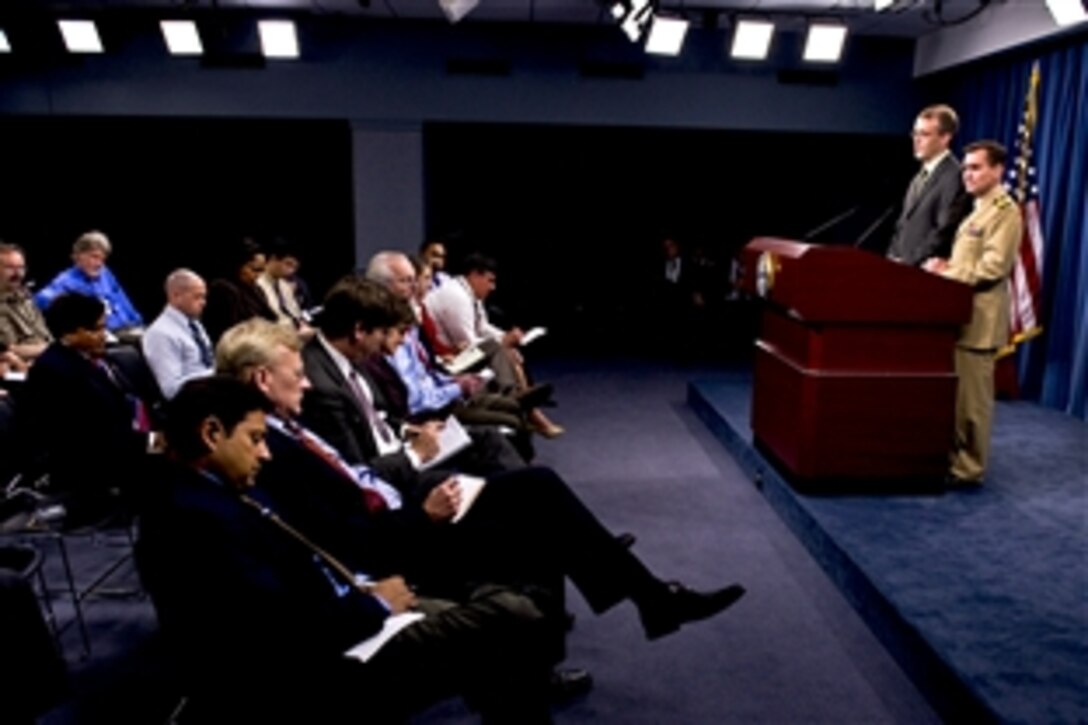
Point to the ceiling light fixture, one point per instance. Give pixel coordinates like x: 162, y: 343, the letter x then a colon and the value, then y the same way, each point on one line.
x: 1067, y: 12
x: 752, y: 39
x: 824, y: 42
x: 634, y: 17
x: 666, y: 35
x: 80, y: 36
x: 278, y: 38
x: 182, y: 37
x: 454, y: 10
x: 881, y: 5
x: 5, y: 46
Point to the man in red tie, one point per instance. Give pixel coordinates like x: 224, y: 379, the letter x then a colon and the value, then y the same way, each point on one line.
x: 526, y: 527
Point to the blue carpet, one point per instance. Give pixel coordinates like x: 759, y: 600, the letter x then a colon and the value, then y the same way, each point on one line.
x: 981, y: 595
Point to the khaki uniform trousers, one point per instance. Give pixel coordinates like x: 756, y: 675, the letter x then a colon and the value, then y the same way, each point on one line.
x: 974, y: 413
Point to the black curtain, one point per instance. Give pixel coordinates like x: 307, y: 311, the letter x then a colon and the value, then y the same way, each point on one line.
x: 171, y: 192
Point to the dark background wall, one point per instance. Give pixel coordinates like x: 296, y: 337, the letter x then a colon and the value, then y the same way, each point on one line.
x: 170, y: 192
x: 576, y: 215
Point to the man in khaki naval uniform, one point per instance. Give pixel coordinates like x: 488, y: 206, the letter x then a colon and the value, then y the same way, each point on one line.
x: 983, y: 255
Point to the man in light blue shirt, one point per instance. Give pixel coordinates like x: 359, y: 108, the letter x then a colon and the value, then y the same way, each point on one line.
x: 90, y: 276
x: 427, y: 388
x: 176, y: 347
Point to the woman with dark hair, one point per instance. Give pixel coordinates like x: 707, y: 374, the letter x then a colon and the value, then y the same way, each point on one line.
x: 235, y: 297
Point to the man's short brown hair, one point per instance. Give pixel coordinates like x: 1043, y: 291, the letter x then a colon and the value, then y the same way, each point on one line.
x: 947, y: 120
x: 996, y: 154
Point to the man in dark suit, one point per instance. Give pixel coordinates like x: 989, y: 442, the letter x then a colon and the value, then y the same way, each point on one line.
x: 343, y: 403
x: 526, y: 526
x: 242, y: 593
x: 82, y: 411
x: 935, y: 202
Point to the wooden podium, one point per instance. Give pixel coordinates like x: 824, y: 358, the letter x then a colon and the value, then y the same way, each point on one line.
x: 854, y: 372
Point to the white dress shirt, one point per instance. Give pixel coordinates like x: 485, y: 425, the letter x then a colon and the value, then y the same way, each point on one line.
x: 460, y: 318
x: 281, y: 298
x: 363, y: 476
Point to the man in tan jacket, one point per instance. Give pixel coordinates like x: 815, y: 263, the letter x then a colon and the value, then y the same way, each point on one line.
x: 983, y: 255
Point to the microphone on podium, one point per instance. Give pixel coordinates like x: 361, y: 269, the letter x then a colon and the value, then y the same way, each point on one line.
x: 838, y: 218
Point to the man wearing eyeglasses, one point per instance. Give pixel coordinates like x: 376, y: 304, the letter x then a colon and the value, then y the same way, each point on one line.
x: 935, y: 202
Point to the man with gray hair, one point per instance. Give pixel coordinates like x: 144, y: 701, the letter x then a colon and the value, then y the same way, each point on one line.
x: 430, y: 389
x: 176, y: 346
x: 90, y: 276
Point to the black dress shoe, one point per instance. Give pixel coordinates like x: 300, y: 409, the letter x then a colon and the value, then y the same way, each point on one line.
x: 677, y: 605
x: 568, y: 683
x: 626, y: 539
x: 535, y: 397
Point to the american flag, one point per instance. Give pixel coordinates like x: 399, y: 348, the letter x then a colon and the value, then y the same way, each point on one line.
x: 1026, y: 281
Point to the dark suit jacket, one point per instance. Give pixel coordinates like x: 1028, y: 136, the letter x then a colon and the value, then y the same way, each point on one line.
x: 83, y: 423
x: 239, y: 598
x: 926, y: 228
x: 231, y: 302
x: 331, y: 410
x: 328, y: 506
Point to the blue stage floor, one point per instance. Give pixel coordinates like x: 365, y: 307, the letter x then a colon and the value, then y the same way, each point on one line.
x: 981, y: 595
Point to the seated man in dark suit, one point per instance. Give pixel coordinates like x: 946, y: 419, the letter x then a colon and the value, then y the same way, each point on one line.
x: 82, y: 411
x: 342, y: 404
x: 525, y: 527
x: 243, y: 593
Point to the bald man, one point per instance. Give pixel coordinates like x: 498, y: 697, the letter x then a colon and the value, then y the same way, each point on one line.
x: 176, y: 346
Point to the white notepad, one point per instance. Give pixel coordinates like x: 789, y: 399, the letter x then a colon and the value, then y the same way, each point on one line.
x: 390, y: 628
x: 533, y: 334
x: 451, y: 440
x: 470, y: 488
x: 465, y: 360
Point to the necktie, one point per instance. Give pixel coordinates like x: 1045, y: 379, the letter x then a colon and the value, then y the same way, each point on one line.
x: 371, y: 498
x: 330, y: 560
x: 916, y: 186
x: 376, y: 423
x: 202, y: 344
x: 141, y: 421
x: 284, y: 309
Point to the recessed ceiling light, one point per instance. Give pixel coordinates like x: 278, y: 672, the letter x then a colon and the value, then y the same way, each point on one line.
x: 752, y: 39
x: 824, y: 42
x: 1067, y: 12
x: 80, y: 36
x: 666, y: 36
x: 182, y: 37
x: 278, y: 38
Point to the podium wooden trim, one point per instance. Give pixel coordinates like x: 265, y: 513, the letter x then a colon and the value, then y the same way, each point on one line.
x: 854, y: 375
